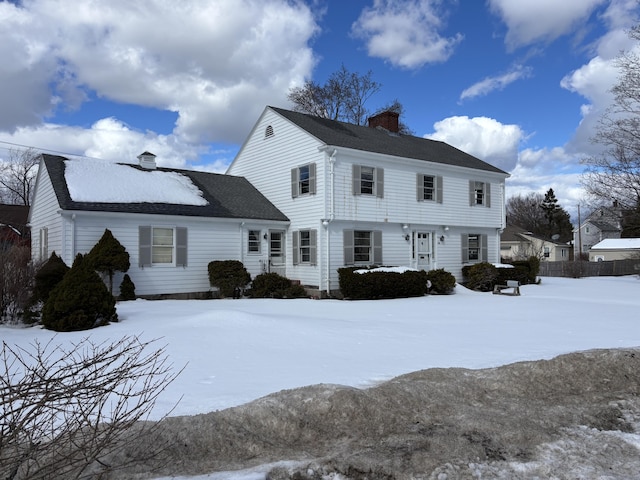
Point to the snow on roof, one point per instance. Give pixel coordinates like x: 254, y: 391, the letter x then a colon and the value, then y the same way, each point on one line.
x: 617, y: 243
x: 102, y: 181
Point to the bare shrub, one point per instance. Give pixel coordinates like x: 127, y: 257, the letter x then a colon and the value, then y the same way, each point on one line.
x: 63, y: 409
x: 16, y: 278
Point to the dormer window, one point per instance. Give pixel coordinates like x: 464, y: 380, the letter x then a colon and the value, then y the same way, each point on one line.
x: 268, y: 132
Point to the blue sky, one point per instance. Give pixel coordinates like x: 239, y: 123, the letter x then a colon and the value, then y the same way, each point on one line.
x: 518, y: 83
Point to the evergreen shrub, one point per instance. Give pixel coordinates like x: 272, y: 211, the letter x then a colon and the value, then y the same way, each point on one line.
x: 81, y: 301
x: 442, y: 282
x: 273, y: 285
x: 127, y: 288
x: 480, y: 276
x: 228, y: 276
x: 47, y: 277
x: 108, y: 256
x: 379, y: 284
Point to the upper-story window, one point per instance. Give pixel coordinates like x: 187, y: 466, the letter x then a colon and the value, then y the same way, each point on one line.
x: 303, y: 180
x: 429, y: 188
x: 479, y: 193
x: 368, y: 181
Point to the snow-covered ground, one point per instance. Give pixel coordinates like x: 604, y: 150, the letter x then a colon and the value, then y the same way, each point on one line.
x: 235, y: 351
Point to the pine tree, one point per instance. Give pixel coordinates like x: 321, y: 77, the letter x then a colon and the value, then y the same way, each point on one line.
x: 47, y: 277
x: 80, y: 301
x: 127, y: 289
x: 109, y: 256
x: 557, y: 220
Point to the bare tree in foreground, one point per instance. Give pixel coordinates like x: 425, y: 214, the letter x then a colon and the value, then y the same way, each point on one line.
x: 62, y: 410
x: 18, y: 176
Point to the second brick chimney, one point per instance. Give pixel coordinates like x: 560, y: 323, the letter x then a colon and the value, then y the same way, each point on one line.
x: 387, y: 120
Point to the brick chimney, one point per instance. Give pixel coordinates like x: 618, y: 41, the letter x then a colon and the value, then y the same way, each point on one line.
x: 387, y: 120
x: 147, y: 160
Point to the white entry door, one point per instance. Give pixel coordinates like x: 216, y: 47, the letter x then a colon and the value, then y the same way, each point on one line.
x: 424, y: 250
x: 277, y: 262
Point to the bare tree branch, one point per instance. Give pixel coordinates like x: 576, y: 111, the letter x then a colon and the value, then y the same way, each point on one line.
x: 18, y: 176
x: 63, y: 410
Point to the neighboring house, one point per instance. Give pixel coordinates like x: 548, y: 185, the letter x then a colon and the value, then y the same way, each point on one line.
x: 367, y: 195
x: 518, y: 244
x: 615, y: 249
x: 13, y: 226
x: 601, y: 224
x: 171, y: 222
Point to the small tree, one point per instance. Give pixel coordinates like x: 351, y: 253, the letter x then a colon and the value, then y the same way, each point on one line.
x: 108, y: 256
x: 79, y: 302
x: 47, y: 277
x: 64, y: 409
x: 229, y: 276
x: 127, y: 288
x: 18, y: 176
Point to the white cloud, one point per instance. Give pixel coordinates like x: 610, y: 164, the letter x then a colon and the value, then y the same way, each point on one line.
x: 110, y: 139
x: 489, y: 84
x: 217, y: 64
x: 530, y: 21
x: 405, y: 32
x: 482, y: 137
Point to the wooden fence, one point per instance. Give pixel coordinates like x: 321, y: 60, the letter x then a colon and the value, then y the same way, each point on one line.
x: 582, y: 268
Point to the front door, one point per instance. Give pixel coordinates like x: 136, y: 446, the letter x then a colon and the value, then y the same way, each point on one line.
x: 424, y: 251
x: 277, y: 252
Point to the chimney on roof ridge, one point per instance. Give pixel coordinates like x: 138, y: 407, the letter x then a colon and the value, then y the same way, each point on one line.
x: 387, y: 120
x: 147, y: 160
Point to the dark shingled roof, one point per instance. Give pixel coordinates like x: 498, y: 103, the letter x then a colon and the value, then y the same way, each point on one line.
x: 14, y: 215
x: 227, y: 196
x: 341, y: 134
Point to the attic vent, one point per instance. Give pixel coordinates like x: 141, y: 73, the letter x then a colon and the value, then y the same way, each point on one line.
x: 268, y: 132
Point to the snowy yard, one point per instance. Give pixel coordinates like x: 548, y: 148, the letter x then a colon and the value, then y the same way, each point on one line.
x: 238, y: 350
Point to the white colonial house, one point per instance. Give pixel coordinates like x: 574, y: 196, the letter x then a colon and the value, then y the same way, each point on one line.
x: 171, y: 222
x: 368, y: 195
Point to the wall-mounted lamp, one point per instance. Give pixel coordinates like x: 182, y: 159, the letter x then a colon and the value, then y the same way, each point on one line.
x: 265, y: 236
x: 445, y: 228
x: 406, y: 237
x: 324, y: 222
x: 442, y: 238
x: 405, y: 226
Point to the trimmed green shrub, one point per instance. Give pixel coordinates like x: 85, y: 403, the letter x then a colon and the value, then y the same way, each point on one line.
x: 442, y: 282
x: 47, y: 277
x: 229, y: 276
x: 273, y: 285
x: 381, y: 284
x: 108, y: 256
x: 480, y: 276
x: 79, y: 302
x: 127, y: 288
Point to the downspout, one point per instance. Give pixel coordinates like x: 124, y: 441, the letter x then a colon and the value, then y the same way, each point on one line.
x: 332, y: 215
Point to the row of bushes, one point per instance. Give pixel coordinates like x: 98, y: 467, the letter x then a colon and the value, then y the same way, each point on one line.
x: 375, y: 283
x: 232, y: 280
x: 484, y: 276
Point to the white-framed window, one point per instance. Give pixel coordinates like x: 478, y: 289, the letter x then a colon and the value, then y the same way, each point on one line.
x: 474, y: 248
x: 303, y: 180
x: 368, y: 181
x: 362, y: 247
x: 305, y: 247
x: 479, y: 193
x: 254, y: 244
x: 428, y: 188
x: 162, y: 246
x: 547, y: 252
x: 44, y: 243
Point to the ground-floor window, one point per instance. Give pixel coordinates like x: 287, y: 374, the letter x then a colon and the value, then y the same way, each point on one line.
x: 474, y: 248
x: 305, y: 247
x: 362, y: 247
